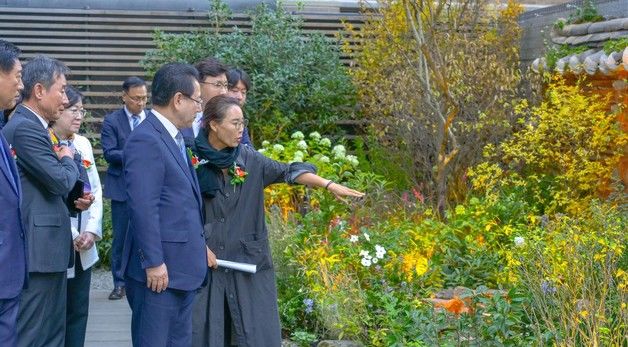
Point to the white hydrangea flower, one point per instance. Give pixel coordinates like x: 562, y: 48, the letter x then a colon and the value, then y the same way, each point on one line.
x: 366, y: 262
x: 353, y: 160
x: 374, y: 260
x: 297, y: 135
x: 354, y: 238
x: 261, y: 150
x: 339, y: 149
x: 325, y: 142
x: 367, y: 237
x: 519, y: 241
x: 364, y: 253
x: 380, y: 251
x: 278, y: 148
x: 265, y: 143
x: 324, y: 159
x: 315, y: 135
x: 302, y: 144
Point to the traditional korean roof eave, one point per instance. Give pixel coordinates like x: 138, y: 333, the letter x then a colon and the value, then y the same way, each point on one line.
x: 594, y: 60
x: 590, y: 62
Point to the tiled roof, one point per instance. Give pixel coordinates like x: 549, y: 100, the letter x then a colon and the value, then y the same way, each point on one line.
x: 588, y: 62
x: 595, y: 59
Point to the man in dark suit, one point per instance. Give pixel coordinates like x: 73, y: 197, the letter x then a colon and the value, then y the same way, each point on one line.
x: 165, y: 258
x: 47, y: 175
x: 115, y: 130
x: 213, y: 79
x: 12, y: 242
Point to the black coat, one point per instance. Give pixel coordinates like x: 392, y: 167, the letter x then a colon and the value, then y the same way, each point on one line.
x: 236, y: 230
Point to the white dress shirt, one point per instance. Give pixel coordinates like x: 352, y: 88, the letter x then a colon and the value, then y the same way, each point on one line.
x: 172, y: 129
x: 130, y: 116
x: 196, y: 126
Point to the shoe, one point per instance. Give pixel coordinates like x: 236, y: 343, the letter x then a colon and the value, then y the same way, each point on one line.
x: 117, y: 293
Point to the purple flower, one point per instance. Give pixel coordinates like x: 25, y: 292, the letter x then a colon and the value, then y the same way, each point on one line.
x: 309, y: 305
x: 547, y: 288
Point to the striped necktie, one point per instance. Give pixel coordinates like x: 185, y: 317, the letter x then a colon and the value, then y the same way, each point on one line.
x: 181, y: 145
x: 136, y: 120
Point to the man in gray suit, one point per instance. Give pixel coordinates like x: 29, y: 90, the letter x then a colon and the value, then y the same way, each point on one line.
x: 47, y: 173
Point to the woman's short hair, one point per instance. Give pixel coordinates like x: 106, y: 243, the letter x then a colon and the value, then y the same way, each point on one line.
x: 236, y: 75
x: 216, y: 109
x: 74, y: 96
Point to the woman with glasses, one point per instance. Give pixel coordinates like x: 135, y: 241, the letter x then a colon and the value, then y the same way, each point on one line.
x: 86, y: 225
x: 240, y: 308
x: 239, y: 84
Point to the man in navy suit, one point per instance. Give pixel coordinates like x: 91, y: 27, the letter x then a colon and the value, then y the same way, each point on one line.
x: 12, y: 242
x: 165, y: 257
x: 115, y: 130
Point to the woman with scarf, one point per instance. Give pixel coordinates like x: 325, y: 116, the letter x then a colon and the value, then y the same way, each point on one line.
x: 239, y: 308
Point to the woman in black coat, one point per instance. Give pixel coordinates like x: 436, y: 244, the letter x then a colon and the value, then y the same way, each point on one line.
x: 239, y: 308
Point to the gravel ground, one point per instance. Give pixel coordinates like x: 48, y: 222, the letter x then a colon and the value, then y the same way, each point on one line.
x: 101, y: 279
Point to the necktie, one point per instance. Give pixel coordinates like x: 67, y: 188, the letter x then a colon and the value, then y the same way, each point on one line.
x: 181, y: 145
x: 136, y: 121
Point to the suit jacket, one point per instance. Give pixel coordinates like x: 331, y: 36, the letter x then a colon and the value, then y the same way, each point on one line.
x: 164, y: 202
x: 12, y: 242
x: 115, y: 131
x: 46, y: 181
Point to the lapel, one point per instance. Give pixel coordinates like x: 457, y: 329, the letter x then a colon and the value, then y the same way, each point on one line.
x: 124, y: 122
x: 10, y: 171
x: 176, y: 153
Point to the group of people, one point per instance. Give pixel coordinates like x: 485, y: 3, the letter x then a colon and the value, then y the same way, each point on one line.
x: 186, y: 189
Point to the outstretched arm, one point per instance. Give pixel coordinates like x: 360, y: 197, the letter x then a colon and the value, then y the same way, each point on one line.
x: 339, y: 191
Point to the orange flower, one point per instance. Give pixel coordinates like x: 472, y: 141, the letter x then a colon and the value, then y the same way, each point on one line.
x: 87, y: 164
x: 456, y: 305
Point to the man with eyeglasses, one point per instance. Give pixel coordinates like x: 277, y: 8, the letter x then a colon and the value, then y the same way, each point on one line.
x: 115, y: 131
x: 213, y: 79
x: 165, y: 259
x: 47, y: 174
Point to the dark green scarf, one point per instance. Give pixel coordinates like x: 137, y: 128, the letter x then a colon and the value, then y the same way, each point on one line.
x: 209, y: 173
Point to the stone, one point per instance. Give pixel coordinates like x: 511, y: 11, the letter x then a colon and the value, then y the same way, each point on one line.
x: 339, y: 343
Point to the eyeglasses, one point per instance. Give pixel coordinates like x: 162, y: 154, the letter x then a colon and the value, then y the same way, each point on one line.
x: 221, y: 85
x: 198, y: 102
x: 78, y: 112
x: 240, y: 124
x: 137, y: 99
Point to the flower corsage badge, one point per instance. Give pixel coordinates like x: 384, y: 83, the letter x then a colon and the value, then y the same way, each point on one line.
x: 13, y: 153
x: 54, y: 139
x: 194, y: 159
x: 238, y: 175
x: 87, y: 164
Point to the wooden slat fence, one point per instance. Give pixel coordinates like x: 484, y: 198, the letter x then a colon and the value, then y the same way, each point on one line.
x: 103, y: 47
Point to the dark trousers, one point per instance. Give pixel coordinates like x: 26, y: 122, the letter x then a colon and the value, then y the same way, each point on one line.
x: 8, y: 321
x: 160, y: 319
x: 78, y: 305
x: 41, y: 316
x: 120, y: 223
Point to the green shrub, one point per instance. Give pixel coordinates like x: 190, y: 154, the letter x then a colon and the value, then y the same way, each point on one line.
x: 298, y: 78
